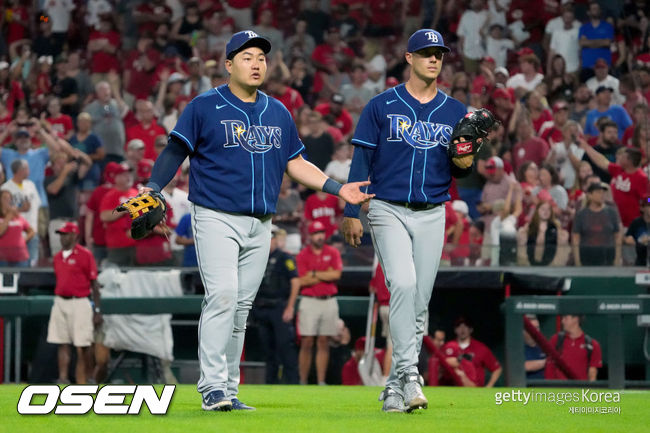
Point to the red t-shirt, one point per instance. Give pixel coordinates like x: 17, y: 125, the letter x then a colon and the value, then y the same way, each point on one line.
x: 141, y: 82
x: 452, y: 350
x: 534, y: 149
x: 4, y: 121
x: 574, y: 353
x: 478, y: 353
x: 147, y: 134
x: 15, y: 30
x: 627, y: 191
x: 325, y: 211
x: 328, y: 259
x: 99, y: 231
x: 378, y: 281
x: 325, y: 53
x: 155, y: 248
x: 74, y: 274
x: 544, y: 117
x: 61, y: 124
x: 552, y: 134
x: 291, y: 99
x: 103, y: 62
x: 628, y: 135
x: 13, y: 248
x: 350, y: 372
x: 343, y: 122
x: 150, y: 26
x: 119, y: 229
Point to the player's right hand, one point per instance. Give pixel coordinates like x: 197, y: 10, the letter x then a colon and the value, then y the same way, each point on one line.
x: 352, y: 231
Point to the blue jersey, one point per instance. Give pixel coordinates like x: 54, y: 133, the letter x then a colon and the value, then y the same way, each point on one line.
x: 238, y: 150
x: 410, y: 141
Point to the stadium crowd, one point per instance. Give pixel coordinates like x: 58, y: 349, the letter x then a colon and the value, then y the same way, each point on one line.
x: 89, y: 90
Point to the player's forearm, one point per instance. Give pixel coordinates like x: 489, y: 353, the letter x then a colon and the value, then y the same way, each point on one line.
x: 306, y: 173
x: 359, y: 172
x: 535, y: 365
x: 592, y: 374
x: 329, y: 275
x: 494, y: 377
x: 96, y: 296
x: 167, y: 164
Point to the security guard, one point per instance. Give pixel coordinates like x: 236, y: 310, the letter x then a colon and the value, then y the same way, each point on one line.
x: 273, y: 311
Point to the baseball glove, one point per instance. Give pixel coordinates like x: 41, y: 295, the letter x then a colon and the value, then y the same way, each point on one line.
x: 474, y: 126
x: 147, y: 211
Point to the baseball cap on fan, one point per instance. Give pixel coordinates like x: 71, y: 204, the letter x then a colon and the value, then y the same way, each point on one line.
x: 315, y: 227
x: 425, y: 38
x: 69, y: 227
x: 245, y: 39
x: 493, y: 163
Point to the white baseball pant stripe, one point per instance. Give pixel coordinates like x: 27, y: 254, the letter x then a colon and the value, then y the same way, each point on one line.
x: 409, y: 246
x: 232, y: 251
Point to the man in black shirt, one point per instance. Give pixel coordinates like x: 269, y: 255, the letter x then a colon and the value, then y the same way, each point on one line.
x: 65, y: 88
x: 273, y: 311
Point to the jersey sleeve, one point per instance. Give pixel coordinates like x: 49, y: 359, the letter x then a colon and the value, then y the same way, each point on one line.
x: 368, y: 128
x: 92, y: 267
x: 301, y: 264
x: 489, y: 360
x: 293, y: 143
x: 337, y: 262
x: 188, y: 126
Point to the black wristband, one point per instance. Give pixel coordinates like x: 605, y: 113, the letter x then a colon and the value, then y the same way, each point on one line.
x: 331, y: 186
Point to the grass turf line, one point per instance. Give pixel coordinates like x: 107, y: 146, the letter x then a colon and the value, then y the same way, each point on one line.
x: 289, y: 409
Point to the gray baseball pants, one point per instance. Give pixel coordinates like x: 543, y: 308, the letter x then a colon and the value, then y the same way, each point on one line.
x: 409, y: 246
x: 232, y: 252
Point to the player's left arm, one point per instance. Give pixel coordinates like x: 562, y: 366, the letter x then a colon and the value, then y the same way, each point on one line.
x: 308, y: 174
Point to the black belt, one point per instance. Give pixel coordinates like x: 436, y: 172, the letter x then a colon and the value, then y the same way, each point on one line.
x: 262, y: 217
x: 415, y: 206
x: 72, y: 297
x: 321, y: 297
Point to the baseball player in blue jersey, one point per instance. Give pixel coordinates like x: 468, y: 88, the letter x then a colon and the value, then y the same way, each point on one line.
x: 401, y: 144
x: 240, y: 143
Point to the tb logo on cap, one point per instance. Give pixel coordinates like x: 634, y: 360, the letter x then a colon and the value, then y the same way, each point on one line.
x: 432, y: 36
x: 251, y: 34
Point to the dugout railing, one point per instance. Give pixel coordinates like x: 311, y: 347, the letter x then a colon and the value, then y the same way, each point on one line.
x: 609, y: 308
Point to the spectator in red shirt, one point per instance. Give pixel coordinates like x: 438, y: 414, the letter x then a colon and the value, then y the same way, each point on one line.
x: 102, y: 47
x: 473, y: 350
x: 149, y: 14
x: 332, y: 49
x: 119, y: 245
x: 324, y: 208
x: 73, y: 317
x: 61, y: 123
x: 13, y: 245
x: 629, y: 183
x: 95, y: 232
x: 378, y: 287
x: 146, y: 129
x: 528, y: 147
x: 551, y: 131
x: 335, y: 108
x: 16, y: 19
x: 290, y: 98
x: 140, y: 67
x: 350, y: 372
x: 581, y: 352
x: 319, y: 267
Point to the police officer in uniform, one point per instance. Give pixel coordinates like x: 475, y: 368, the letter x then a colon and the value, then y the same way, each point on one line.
x: 273, y: 311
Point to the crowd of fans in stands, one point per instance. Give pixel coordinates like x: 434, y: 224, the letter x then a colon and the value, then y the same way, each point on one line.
x: 89, y: 90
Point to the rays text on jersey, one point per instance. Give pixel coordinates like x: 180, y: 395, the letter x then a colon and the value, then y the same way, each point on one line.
x: 255, y: 139
x: 421, y: 135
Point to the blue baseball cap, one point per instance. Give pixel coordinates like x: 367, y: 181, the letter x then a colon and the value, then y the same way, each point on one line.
x: 245, y: 39
x: 425, y: 38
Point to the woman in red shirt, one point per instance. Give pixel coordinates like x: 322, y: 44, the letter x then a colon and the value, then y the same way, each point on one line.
x: 13, y: 245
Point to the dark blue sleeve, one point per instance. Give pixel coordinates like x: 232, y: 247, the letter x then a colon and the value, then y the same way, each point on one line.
x: 188, y: 126
x: 167, y: 163
x: 293, y: 142
x: 359, y: 171
x: 93, y: 143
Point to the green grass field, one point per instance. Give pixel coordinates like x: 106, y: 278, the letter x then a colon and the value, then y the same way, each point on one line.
x: 289, y: 409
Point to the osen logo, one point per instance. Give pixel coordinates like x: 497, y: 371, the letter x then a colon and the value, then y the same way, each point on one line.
x: 110, y: 400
